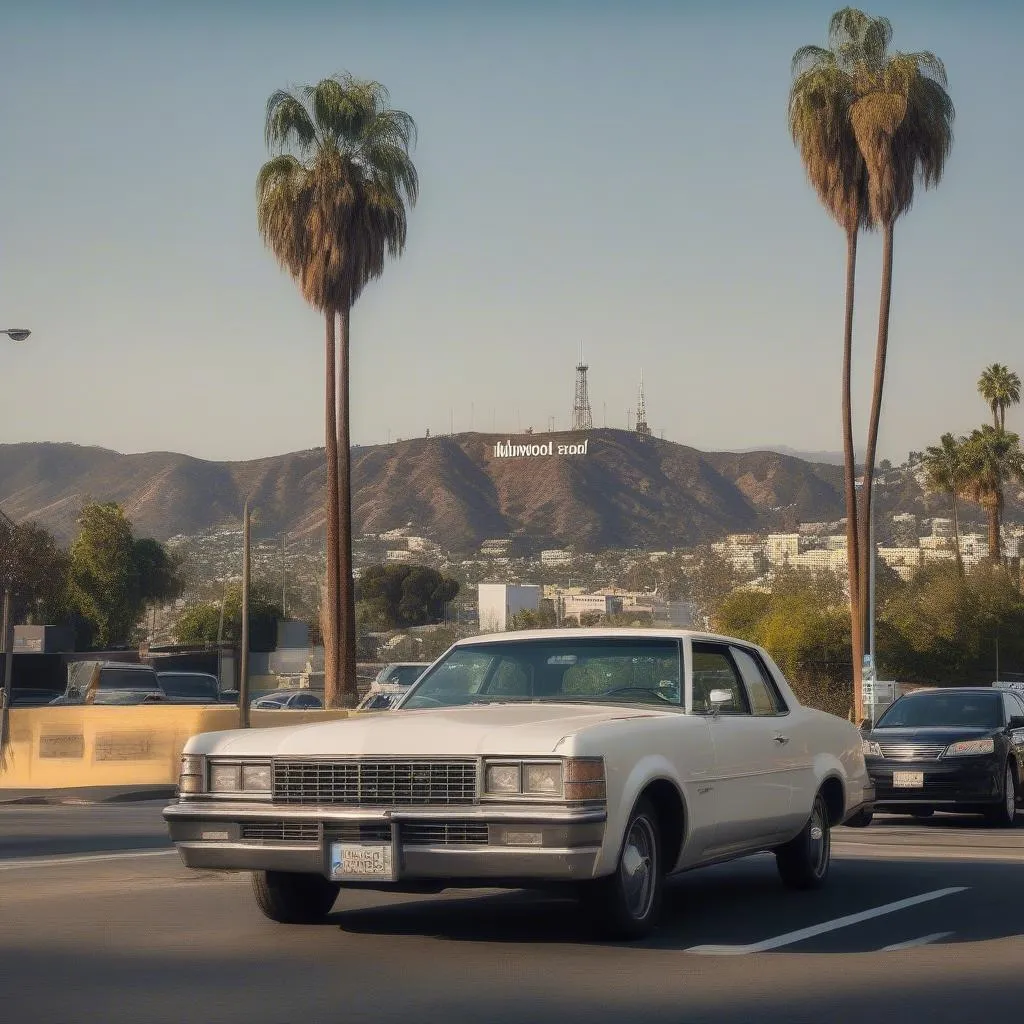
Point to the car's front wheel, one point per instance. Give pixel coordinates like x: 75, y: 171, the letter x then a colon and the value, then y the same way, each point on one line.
x: 804, y: 861
x: 291, y: 898
x: 627, y: 903
x: 1004, y: 814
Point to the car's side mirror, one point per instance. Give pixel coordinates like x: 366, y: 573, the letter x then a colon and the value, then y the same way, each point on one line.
x: 1017, y: 722
x: 718, y: 699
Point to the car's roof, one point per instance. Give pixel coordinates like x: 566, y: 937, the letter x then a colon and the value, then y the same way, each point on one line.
x: 969, y: 690
x: 407, y: 664
x: 183, y: 672
x: 597, y: 632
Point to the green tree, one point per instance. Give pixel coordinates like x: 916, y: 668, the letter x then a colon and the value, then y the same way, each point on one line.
x: 398, y: 596
x: 112, y: 576
x: 820, y: 98
x: 1000, y: 387
x: 332, y: 206
x: 991, y: 458
x: 35, y: 568
x: 711, y: 579
x: 543, y: 618
x: 945, y: 473
x: 200, y: 624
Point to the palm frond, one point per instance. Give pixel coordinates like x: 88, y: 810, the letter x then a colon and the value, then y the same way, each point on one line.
x: 288, y: 123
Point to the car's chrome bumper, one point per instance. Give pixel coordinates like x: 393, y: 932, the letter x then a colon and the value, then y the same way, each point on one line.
x: 564, y: 841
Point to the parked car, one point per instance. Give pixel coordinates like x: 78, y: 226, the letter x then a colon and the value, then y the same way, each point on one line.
x: 391, y: 683
x: 287, y: 700
x: 111, y: 682
x: 950, y: 750
x: 31, y: 697
x: 190, y: 687
x: 602, y: 760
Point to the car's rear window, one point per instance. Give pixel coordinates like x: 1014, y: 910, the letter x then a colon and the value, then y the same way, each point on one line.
x: 127, y: 679
x: 181, y: 685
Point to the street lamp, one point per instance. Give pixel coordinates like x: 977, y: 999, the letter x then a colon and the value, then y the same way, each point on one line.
x: 17, y: 333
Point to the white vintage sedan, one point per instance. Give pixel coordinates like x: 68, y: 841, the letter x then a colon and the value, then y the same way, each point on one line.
x: 602, y: 759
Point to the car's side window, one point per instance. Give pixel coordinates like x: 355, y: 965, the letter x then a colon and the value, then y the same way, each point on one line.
x: 1012, y: 706
x: 714, y: 669
x: 765, y: 700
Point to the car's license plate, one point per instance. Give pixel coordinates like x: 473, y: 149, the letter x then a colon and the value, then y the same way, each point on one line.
x: 362, y: 861
x: 908, y: 780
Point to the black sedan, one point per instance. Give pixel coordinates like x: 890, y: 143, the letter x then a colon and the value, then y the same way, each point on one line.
x: 949, y: 749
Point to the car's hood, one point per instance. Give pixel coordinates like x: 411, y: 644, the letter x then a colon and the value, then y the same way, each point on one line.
x: 930, y: 734
x: 528, y: 729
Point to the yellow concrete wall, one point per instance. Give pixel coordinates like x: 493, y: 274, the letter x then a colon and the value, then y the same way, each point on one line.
x: 105, y: 745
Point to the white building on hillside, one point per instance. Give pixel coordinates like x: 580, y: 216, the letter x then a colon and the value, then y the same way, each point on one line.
x: 498, y: 602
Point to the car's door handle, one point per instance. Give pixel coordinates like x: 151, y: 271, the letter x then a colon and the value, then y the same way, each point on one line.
x: 779, y: 738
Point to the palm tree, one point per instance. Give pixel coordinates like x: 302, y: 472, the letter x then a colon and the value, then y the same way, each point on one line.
x: 902, y: 119
x: 332, y: 207
x: 992, y: 458
x: 1000, y: 387
x: 820, y: 98
x: 945, y: 473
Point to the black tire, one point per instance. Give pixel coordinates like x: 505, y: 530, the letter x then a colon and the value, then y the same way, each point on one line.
x: 861, y: 819
x: 922, y: 813
x: 290, y: 898
x: 627, y: 903
x: 804, y: 861
x: 1004, y: 814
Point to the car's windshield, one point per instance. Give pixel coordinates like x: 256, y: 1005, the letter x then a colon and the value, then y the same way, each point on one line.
x: 970, y: 710
x: 182, y: 684
x: 592, y: 670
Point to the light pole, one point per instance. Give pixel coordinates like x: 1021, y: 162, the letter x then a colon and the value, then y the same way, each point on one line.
x: 17, y: 333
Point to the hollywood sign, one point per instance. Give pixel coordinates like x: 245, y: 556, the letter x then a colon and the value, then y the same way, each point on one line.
x: 508, y: 450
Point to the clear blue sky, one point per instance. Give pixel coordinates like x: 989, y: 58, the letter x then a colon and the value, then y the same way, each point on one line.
x: 613, y: 174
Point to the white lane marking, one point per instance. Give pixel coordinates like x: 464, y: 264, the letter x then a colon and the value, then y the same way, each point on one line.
x: 827, y: 926
x: 922, y: 941
x: 48, y: 862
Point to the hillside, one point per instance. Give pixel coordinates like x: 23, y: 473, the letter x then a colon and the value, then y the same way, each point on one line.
x: 623, y: 492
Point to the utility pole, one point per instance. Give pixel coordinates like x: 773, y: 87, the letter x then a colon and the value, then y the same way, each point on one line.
x: 284, y: 581
x: 243, y: 683
x: 5, y: 694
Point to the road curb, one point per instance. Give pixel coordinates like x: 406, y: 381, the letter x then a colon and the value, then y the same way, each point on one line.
x: 88, y: 796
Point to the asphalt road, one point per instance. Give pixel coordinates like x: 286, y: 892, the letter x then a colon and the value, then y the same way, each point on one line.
x: 97, y: 922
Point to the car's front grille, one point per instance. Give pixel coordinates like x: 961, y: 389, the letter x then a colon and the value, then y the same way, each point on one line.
x: 281, y: 831
x: 912, y: 751
x: 375, y: 782
x: 444, y: 833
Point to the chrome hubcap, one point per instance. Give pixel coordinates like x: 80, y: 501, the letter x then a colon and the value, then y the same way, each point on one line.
x: 820, y: 841
x: 637, y: 868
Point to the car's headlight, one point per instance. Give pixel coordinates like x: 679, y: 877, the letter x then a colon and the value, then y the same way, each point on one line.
x: 238, y: 777
x: 192, y: 777
x: 871, y: 748
x: 967, y: 748
x: 575, y: 778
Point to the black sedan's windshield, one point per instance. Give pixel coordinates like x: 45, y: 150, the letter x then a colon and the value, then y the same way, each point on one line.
x: 970, y: 710
x: 594, y: 670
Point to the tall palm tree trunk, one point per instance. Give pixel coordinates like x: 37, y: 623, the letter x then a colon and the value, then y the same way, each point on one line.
x: 993, y: 508
x: 881, y: 350
x: 346, y: 592
x: 956, y: 532
x: 329, y: 614
x: 849, y: 480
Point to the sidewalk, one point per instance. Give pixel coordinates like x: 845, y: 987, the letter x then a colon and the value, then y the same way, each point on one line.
x: 87, y: 795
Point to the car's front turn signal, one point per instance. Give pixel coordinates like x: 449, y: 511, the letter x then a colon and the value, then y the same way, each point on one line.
x: 584, y: 779
x: 192, y: 778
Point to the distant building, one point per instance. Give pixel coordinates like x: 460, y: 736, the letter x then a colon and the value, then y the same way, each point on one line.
x: 780, y: 547
x: 555, y: 556
x: 400, y: 555
x: 497, y: 603
x: 573, y: 606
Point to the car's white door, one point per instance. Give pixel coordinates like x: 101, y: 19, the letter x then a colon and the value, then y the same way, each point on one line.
x: 751, y: 789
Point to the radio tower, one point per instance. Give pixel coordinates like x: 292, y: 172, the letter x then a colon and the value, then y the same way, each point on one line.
x: 581, y: 418
x: 641, y: 412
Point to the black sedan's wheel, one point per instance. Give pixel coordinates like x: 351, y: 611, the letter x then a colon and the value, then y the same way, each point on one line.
x: 290, y: 898
x: 627, y: 903
x: 804, y: 861
x: 1004, y: 814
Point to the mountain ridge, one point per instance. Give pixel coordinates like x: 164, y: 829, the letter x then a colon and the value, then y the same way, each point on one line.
x: 626, y: 491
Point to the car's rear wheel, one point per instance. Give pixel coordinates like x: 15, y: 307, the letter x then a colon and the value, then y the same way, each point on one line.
x: 627, y: 903
x: 1004, y: 814
x: 804, y: 861
x: 291, y: 898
